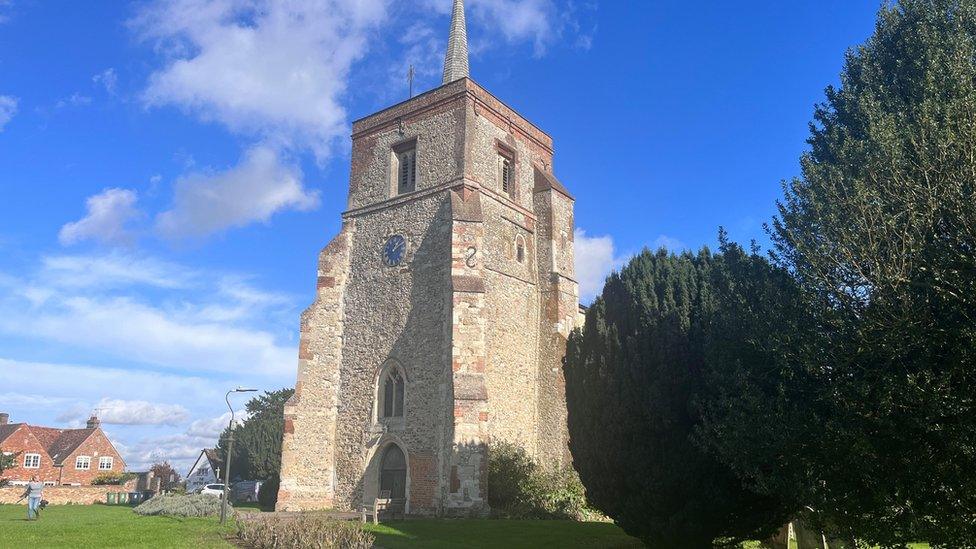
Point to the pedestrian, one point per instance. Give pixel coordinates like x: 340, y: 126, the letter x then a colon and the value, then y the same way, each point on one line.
x: 33, y: 494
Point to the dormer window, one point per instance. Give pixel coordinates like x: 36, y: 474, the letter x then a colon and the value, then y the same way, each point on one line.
x: 506, y: 170
x: 405, y: 167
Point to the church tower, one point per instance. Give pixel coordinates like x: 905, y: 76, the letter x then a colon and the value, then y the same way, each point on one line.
x: 442, y: 308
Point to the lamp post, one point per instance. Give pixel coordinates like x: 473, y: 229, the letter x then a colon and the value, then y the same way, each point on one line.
x: 230, y: 451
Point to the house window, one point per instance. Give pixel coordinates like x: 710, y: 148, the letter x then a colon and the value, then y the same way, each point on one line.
x: 520, y: 248
x: 391, y: 389
x: 32, y: 461
x: 105, y: 463
x: 405, y: 156
x: 506, y: 171
x: 83, y: 463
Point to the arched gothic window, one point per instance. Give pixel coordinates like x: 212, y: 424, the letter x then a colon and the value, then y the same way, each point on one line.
x: 391, y: 392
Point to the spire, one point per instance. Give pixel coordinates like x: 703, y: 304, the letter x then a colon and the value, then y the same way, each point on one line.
x: 456, y: 61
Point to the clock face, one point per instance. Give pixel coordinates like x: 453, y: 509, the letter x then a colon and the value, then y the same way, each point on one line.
x: 394, y: 250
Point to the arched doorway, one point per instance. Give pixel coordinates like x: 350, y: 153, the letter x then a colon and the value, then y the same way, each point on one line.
x: 393, y: 472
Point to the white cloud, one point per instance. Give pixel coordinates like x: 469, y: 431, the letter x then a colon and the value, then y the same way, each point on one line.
x: 211, y: 428
x: 672, y: 244
x: 181, y: 449
x: 114, y: 270
x: 277, y: 69
x: 108, y: 214
x: 254, y: 190
x: 66, y: 384
x: 541, y: 22
x: 8, y: 108
x: 173, y: 327
x: 107, y: 79
x: 595, y: 259
x: 75, y: 100
x: 139, y: 412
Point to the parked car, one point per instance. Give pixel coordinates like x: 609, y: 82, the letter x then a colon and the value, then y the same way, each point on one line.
x: 215, y: 490
x: 245, y: 491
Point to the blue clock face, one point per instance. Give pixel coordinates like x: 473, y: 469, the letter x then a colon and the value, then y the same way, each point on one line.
x: 394, y: 250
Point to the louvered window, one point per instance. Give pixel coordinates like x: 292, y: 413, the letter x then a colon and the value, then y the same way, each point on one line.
x: 506, y: 170
x: 406, y: 170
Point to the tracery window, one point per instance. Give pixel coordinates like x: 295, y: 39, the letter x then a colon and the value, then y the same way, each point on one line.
x: 391, y: 393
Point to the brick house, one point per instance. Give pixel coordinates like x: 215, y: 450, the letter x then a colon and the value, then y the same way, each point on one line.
x: 72, y: 457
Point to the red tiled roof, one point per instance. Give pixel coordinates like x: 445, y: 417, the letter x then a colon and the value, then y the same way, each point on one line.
x: 8, y: 429
x: 65, y: 444
x: 47, y: 436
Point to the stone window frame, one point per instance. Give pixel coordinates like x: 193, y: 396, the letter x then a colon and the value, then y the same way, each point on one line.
x: 106, y: 459
x: 86, y: 460
x: 506, y: 153
x: 396, y: 150
x: 36, y: 460
x: 390, y: 422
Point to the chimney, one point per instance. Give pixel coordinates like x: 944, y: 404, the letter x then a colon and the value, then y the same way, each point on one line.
x: 94, y: 422
x: 4, y: 418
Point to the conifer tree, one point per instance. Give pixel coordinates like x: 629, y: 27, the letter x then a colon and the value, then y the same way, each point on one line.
x: 635, y: 377
x: 875, y: 424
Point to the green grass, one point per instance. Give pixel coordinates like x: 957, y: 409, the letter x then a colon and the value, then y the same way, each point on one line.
x: 446, y: 533
x: 80, y: 526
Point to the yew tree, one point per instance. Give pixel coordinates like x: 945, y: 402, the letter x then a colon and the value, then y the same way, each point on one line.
x: 874, y: 426
x: 636, y: 376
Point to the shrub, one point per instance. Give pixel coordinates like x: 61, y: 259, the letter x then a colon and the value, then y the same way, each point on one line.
x: 174, y: 505
x: 113, y: 479
x: 268, y: 493
x: 519, y: 487
x: 303, y: 530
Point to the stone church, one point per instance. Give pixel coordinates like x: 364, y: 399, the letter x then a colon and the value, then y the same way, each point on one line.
x: 442, y: 308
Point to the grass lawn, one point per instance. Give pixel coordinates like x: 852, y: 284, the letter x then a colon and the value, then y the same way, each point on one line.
x: 80, y: 526
x: 472, y: 533
x: 101, y: 526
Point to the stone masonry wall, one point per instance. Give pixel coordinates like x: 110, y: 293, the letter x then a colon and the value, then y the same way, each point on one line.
x: 308, y: 454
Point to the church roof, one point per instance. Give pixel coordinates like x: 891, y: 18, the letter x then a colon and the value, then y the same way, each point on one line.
x: 456, y: 59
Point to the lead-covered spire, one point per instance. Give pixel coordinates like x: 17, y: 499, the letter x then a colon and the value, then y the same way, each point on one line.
x: 456, y: 60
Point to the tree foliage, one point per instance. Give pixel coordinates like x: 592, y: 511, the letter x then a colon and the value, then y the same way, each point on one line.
x: 8, y: 461
x: 257, y: 442
x: 636, y: 377
x: 870, y: 418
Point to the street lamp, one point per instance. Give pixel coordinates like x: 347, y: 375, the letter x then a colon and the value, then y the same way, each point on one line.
x: 230, y: 451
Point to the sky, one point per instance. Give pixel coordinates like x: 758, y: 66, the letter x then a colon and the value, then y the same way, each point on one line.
x: 169, y: 169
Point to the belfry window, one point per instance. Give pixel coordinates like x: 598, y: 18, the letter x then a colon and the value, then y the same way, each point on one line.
x: 406, y: 167
x: 506, y: 173
x: 392, y: 394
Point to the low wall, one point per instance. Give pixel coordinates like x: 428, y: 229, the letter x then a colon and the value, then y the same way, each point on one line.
x: 64, y: 495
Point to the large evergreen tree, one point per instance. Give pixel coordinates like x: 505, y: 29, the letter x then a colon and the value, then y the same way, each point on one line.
x: 257, y: 442
x: 635, y: 378
x: 871, y: 420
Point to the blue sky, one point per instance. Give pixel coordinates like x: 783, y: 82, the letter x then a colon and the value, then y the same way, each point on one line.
x: 169, y: 169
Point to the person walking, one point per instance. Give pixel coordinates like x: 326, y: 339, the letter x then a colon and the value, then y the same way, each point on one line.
x: 33, y: 494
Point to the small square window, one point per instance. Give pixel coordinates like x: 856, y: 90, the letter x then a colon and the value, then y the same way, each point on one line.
x: 32, y: 461
x: 83, y: 463
x: 105, y: 463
